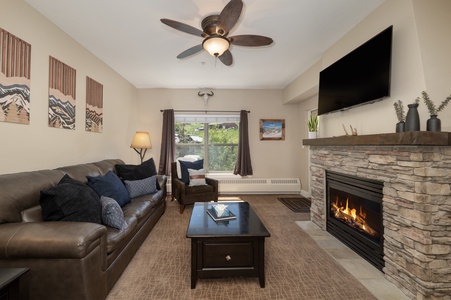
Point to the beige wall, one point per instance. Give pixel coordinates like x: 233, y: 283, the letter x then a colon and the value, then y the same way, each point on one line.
x: 304, y: 108
x: 420, y: 61
x: 37, y: 146
x: 407, y: 79
x: 269, y: 158
x: 434, y: 34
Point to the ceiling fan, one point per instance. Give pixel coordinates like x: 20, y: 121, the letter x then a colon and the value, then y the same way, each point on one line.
x: 215, y: 33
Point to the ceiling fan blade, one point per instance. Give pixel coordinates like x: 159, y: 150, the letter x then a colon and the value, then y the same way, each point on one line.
x: 229, y: 16
x: 226, y: 58
x: 250, y: 40
x: 183, y: 27
x: 190, y: 51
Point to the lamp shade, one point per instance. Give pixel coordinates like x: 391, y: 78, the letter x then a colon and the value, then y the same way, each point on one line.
x: 141, y: 140
x: 216, y: 45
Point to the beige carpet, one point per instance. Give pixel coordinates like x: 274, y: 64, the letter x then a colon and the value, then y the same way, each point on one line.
x: 296, y: 267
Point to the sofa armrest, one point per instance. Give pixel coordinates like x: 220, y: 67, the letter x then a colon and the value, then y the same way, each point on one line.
x: 162, y: 182
x: 50, y: 240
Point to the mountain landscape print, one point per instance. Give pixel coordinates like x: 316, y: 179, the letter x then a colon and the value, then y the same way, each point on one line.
x: 61, y: 113
x: 61, y: 95
x: 15, y: 103
x: 94, y: 105
x: 15, y: 60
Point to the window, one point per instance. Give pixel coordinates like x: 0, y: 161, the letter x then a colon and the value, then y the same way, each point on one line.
x: 213, y: 137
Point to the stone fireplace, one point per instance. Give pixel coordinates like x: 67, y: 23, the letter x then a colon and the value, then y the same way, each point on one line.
x: 415, y: 169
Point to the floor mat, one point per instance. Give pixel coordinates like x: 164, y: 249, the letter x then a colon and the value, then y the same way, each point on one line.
x: 297, y: 204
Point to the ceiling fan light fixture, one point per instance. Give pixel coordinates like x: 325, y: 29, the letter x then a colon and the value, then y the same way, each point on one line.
x: 216, y: 45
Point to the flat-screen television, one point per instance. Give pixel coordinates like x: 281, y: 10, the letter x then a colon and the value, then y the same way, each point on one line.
x: 362, y: 76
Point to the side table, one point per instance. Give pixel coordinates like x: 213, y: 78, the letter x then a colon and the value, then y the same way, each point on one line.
x: 9, y: 282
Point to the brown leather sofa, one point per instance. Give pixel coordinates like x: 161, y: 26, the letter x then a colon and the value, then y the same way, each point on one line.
x: 69, y: 260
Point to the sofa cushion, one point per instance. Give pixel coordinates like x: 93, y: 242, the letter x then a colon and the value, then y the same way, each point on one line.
x: 185, y: 165
x: 136, y: 172
x: 110, y: 186
x: 70, y: 202
x: 141, y: 187
x: 112, y: 214
x: 118, y: 239
x: 196, y: 177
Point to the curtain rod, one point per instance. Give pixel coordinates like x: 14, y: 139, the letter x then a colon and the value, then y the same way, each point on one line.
x: 207, y: 111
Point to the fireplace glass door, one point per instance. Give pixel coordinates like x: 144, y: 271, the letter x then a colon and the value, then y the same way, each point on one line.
x: 354, y: 214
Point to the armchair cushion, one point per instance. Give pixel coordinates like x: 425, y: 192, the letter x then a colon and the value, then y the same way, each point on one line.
x: 185, y: 165
x: 199, y: 189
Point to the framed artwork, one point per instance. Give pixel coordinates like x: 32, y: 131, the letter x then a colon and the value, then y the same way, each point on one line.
x: 94, y: 105
x: 15, y: 61
x: 272, y: 129
x: 62, y: 89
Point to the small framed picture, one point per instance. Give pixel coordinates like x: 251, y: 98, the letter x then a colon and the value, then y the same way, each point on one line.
x: 272, y: 129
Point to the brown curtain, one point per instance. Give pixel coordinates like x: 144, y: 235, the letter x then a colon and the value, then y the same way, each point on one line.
x: 167, y: 142
x: 243, y: 164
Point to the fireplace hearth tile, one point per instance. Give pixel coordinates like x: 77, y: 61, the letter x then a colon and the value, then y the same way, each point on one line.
x: 364, y: 272
x: 360, y: 268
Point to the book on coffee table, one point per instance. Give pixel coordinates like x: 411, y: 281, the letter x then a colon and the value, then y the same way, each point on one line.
x: 228, y: 215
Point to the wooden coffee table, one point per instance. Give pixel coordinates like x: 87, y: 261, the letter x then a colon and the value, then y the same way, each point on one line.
x: 227, y: 248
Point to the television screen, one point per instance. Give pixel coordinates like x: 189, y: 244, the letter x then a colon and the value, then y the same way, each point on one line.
x: 359, y: 77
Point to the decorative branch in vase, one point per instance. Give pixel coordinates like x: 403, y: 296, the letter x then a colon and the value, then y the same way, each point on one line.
x: 401, y: 115
x: 434, y: 123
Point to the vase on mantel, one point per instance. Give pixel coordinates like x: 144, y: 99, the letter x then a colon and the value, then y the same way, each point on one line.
x: 312, y: 134
x: 401, y: 126
x: 434, y: 124
x: 412, y: 118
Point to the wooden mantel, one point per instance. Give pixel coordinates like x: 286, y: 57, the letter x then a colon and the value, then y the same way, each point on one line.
x: 412, y: 138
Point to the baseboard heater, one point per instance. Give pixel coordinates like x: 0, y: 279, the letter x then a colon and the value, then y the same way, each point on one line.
x: 257, y: 185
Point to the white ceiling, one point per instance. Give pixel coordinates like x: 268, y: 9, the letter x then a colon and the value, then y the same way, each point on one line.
x: 129, y: 37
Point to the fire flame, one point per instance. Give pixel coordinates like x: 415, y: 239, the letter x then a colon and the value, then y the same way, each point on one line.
x: 349, y: 216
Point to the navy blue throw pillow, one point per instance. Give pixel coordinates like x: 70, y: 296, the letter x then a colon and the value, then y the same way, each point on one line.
x: 185, y: 165
x: 109, y: 186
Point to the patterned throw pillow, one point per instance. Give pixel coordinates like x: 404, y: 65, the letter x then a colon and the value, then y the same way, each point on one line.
x: 141, y: 187
x: 112, y: 214
x: 196, y: 177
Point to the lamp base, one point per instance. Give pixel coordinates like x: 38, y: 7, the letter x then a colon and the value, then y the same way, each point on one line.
x: 141, y: 152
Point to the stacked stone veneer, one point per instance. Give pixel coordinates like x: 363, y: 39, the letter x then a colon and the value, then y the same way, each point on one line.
x: 416, y: 209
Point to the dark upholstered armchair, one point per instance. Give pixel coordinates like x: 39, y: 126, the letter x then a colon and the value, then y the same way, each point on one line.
x: 186, y: 194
